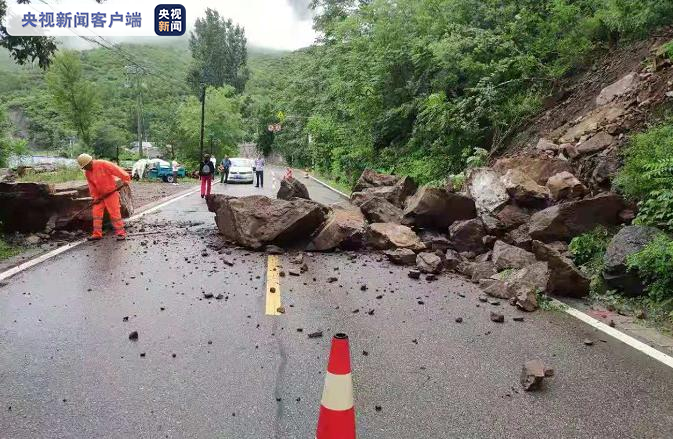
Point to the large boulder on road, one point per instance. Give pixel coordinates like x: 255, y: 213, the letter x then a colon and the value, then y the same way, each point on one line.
x: 345, y: 228
x: 292, y: 188
x: 429, y: 263
x: 524, y: 190
x: 485, y: 187
x: 629, y: 240
x: 436, y: 208
x: 508, y: 256
x: 401, y: 256
x: 256, y: 220
x: 467, y: 236
x: 565, y: 279
x: 384, y: 236
x: 565, y: 221
x: 380, y: 210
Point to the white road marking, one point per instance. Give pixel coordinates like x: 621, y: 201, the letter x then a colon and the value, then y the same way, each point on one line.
x: 38, y: 260
x: 329, y: 187
x: 634, y: 343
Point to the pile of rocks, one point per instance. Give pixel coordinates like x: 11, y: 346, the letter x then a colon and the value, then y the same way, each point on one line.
x: 508, y: 230
x: 41, y: 207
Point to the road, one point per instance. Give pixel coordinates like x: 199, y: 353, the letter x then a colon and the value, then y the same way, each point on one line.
x: 223, y: 368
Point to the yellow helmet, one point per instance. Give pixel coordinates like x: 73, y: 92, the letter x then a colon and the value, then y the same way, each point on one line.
x: 83, y: 160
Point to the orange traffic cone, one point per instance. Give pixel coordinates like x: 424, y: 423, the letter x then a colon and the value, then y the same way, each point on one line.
x: 337, y: 414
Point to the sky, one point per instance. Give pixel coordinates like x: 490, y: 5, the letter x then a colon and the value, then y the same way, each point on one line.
x: 271, y: 24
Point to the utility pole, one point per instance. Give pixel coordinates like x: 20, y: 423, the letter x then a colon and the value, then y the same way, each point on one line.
x: 137, y: 71
x: 203, y: 110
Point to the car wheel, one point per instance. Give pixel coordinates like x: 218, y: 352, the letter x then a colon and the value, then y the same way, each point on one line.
x: 165, y: 179
x: 170, y: 179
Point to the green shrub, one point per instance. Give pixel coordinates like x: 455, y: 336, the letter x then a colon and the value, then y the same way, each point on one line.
x: 654, y: 264
x: 648, y: 164
x: 588, y: 248
x: 657, y: 210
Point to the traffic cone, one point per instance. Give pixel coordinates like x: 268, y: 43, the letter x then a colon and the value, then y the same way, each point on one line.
x: 337, y: 414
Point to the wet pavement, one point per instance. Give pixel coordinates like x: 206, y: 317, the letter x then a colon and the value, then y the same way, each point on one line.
x: 222, y: 368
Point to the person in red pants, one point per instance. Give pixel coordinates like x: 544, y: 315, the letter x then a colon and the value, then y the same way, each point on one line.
x: 206, y: 174
x: 101, y: 176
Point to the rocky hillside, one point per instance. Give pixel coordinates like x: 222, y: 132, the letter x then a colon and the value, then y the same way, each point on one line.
x: 587, y: 122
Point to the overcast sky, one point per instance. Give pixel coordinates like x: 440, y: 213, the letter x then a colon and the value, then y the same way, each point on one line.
x: 273, y: 24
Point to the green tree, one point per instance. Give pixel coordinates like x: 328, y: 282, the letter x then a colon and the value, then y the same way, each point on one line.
x: 26, y: 49
x: 219, y: 52
x: 224, y: 123
x: 73, y: 95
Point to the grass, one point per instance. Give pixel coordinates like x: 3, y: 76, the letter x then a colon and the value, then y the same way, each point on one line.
x: 6, y: 250
x: 62, y: 175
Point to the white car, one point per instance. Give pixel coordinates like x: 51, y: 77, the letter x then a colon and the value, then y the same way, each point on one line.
x: 241, y: 171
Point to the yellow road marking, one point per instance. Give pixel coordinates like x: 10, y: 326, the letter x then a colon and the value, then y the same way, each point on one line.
x: 272, y: 281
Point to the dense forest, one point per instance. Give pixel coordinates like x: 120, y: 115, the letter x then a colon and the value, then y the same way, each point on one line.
x: 412, y: 87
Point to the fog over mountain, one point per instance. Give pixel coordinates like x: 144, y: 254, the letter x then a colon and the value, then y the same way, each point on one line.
x: 269, y: 24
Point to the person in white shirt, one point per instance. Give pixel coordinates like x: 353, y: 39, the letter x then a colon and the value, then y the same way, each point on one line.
x: 259, y: 171
x: 175, y: 166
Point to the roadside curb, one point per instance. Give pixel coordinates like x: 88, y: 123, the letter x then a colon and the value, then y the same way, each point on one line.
x: 617, y: 334
x: 329, y: 187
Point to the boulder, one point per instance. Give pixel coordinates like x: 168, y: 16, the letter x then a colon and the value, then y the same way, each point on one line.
x: 496, y: 288
x: 629, y: 240
x: 565, y: 279
x: 512, y: 216
x: 508, y: 256
x: 565, y: 221
x: 538, y: 168
x: 256, y: 220
x: 428, y: 263
x: 436, y: 208
x: 452, y: 259
x: 480, y: 270
x: 370, y: 178
x: 358, y: 198
x: 292, y: 188
x: 467, y: 235
x: 520, y: 237
x: 524, y: 190
x: 523, y: 285
x: 35, y: 207
x: 402, y: 190
x: 533, y: 373
x: 591, y: 122
x: 546, y: 145
x: 565, y: 185
x: 401, y: 256
x: 434, y: 240
x: 616, y: 89
x: 380, y: 210
x: 384, y: 236
x: 596, y: 143
x: 345, y: 228
x: 485, y: 187
x: 493, y: 225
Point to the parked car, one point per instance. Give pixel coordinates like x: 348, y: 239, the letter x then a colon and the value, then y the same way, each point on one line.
x: 153, y: 169
x: 241, y: 170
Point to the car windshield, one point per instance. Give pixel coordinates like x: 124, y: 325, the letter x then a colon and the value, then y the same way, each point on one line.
x: 241, y: 163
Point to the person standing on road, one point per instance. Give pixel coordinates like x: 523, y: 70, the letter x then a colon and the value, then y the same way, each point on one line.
x: 206, y: 173
x: 101, y: 177
x: 259, y: 171
x: 175, y: 167
x: 224, y: 169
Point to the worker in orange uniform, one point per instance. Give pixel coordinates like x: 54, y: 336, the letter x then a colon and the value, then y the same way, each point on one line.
x: 100, y: 174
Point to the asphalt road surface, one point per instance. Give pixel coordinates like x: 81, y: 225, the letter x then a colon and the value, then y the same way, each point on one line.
x: 206, y: 368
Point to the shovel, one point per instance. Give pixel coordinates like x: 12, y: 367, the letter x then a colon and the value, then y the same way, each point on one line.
x: 99, y: 200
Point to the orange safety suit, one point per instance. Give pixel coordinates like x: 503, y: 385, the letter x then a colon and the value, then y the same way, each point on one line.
x: 102, y: 183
